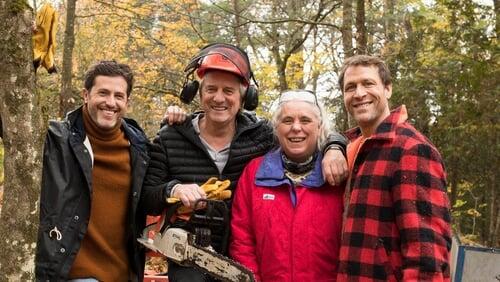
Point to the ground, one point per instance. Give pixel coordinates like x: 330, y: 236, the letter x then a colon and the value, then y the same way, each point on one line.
x: 155, y: 265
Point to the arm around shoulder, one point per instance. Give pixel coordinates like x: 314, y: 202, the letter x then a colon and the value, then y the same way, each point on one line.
x: 335, y: 140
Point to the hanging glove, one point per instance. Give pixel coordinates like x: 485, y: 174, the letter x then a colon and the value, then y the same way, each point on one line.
x: 44, y: 38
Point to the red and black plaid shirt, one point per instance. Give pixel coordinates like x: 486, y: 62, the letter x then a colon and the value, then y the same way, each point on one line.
x: 397, y: 225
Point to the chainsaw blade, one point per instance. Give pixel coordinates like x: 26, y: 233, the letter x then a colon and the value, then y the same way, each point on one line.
x: 178, y: 245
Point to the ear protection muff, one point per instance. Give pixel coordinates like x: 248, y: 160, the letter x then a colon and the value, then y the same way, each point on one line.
x: 251, y: 100
x: 189, y: 90
x: 191, y: 86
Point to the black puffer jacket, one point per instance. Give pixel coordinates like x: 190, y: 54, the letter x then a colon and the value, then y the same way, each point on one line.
x: 65, y: 196
x: 178, y: 156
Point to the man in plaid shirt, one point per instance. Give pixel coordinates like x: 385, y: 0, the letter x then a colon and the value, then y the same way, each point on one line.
x: 396, y: 219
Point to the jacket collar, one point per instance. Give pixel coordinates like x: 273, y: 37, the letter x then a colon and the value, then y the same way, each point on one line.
x: 271, y: 172
x: 75, y: 120
x: 132, y: 130
x: 386, y: 129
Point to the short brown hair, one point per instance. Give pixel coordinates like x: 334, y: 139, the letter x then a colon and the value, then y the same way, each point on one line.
x: 365, y: 60
x: 109, y: 68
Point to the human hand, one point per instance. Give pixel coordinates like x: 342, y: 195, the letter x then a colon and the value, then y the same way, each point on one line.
x: 188, y: 194
x: 334, y: 165
x: 174, y: 115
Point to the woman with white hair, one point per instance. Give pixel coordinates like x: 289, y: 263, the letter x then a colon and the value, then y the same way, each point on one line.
x: 286, y: 221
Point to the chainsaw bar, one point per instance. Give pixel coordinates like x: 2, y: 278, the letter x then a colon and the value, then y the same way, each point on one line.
x: 178, y: 245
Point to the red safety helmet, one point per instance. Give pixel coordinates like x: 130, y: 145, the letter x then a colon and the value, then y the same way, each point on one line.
x: 217, y: 61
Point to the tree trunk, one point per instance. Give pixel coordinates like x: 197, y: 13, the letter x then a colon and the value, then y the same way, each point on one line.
x: 361, y: 39
x: 275, y: 43
x: 493, y: 226
x: 369, y: 30
x: 315, y: 61
x: 21, y: 120
x: 281, y: 70
x: 454, y: 186
x: 298, y: 67
x: 497, y: 15
x: 389, y: 21
x: 67, y: 101
x: 237, y: 22
x: 390, y: 36
x: 496, y: 235
x: 347, y: 28
x: 346, y: 31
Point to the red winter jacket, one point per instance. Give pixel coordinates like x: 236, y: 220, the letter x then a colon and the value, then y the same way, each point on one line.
x: 280, y: 241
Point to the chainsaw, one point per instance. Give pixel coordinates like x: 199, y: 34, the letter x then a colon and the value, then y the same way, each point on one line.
x: 193, y: 248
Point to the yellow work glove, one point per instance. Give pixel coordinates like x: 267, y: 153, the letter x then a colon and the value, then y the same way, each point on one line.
x: 215, y: 190
x: 44, y: 38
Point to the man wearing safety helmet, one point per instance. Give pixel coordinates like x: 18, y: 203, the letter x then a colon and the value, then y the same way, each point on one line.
x: 217, y: 142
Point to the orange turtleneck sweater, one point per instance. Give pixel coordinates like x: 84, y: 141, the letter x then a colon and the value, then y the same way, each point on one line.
x: 103, y: 254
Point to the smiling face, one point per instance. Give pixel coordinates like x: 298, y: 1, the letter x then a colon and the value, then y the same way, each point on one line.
x: 298, y: 130
x: 220, y: 97
x: 107, y: 101
x: 366, y: 97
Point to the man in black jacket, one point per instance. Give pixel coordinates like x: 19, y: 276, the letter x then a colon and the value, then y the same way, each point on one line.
x: 217, y: 142
x: 94, y: 164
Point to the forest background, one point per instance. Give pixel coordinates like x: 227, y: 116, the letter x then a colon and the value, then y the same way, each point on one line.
x: 443, y: 54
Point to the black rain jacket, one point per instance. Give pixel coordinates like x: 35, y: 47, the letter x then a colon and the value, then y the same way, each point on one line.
x: 66, y: 194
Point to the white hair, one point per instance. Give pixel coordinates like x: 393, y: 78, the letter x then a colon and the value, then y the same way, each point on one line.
x: 319, y: 112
